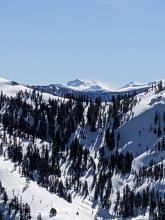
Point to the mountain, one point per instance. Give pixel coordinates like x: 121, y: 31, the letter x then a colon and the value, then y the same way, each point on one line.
x: 136, y: 86
x: 85, y: 159
x: 87, y: 85
x: 12, y: 88
x: 75, y: 83
x: 77, y: 87
x: 92, y: 89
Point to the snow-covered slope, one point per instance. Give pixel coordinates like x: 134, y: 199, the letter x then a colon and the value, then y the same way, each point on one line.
x: 39, y: 199
x: 137, y: 136
x: 11, y: 88
x: 141, y: 129
x: 137, y: 131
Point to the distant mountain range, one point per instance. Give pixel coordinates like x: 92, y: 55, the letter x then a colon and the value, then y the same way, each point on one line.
x: 95, y: 86
x: 90, y: 88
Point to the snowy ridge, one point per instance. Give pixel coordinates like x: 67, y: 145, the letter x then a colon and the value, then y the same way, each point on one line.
x: 138, y: 86
x: 11, y: 88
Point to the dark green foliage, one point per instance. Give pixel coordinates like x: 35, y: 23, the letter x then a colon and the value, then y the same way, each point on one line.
x: 53, y: 212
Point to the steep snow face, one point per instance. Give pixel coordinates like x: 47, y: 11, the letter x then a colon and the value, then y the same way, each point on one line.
x: 87, y: 85
x: 136, y: 136
x: 137, y: 130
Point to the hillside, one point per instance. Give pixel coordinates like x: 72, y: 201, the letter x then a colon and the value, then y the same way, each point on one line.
x: 87, y: 159
x: 11, y: 88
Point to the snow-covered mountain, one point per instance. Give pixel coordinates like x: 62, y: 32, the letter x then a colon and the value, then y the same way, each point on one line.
x: 136, y: 86
x: 88, y: 160
x: 95, y: 86
x: 92, y: 89
x: 11, y: 88
x: 76, y: 86
x: 88, y: 86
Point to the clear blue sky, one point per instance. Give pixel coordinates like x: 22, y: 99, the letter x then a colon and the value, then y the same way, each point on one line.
x: 50, y: 41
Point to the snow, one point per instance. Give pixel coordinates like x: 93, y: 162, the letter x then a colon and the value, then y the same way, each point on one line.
x: 3, y: 80
x: 144, y: 111
x: 10, y: 88
x: 93, y: 86
x: 39, y: 199
x: 141, y: 145
x: 132, y: 86
x: 135, y: 85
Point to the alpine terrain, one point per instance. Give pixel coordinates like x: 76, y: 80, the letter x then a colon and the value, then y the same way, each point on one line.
x: 82, y: 151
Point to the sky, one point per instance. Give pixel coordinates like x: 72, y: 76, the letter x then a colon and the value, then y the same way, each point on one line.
x: 54, y: 41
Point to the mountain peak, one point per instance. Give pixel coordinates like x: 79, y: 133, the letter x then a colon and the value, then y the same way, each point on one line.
x: 88, y: 85
x: 75, y: 83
